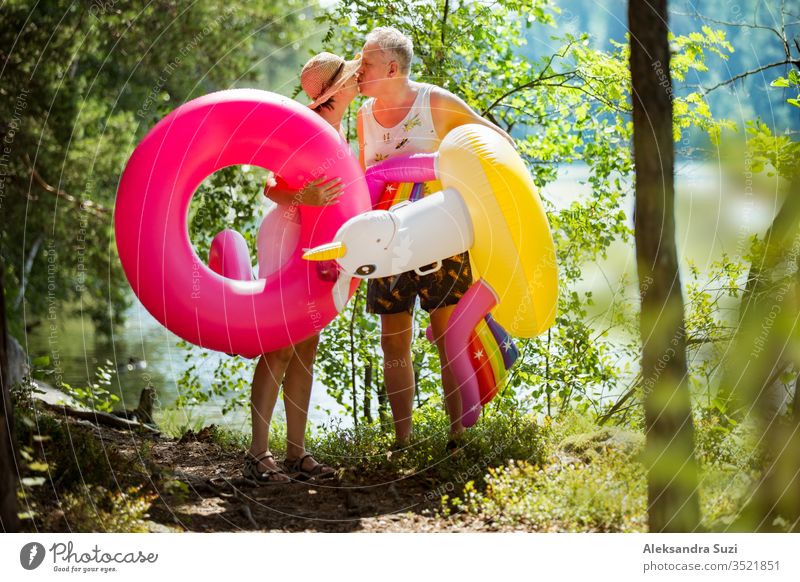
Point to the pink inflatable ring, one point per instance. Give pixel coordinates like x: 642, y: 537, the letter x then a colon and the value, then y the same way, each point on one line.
x: 240, y: 126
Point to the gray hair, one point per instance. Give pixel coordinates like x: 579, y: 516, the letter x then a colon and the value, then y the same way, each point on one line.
x: 394, y: 42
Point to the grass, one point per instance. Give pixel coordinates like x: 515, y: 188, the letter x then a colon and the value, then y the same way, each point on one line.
x: 97, y: 509
x: 491, y: 443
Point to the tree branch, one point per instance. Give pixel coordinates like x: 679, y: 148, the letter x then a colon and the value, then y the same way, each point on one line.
x: 538, y: 79
x: 87, y: 205
x: 699, y: 16
x: 529, y: 85
x: 795, y: 62
x: 618, y: 404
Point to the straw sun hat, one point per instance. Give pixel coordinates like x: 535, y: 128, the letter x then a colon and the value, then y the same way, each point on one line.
x: 324, y: 74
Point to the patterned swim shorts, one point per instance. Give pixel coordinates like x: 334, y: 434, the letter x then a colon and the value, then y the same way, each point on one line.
x: 444, y: 287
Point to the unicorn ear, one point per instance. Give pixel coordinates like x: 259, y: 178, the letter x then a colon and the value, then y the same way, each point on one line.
x: 326, y: 252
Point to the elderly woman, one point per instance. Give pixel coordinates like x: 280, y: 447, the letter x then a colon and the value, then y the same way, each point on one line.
x: 330, y: 83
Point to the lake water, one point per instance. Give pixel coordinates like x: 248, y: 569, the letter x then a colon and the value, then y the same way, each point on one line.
x: 714, y: 214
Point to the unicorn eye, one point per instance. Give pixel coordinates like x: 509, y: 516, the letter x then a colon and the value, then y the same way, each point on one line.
x: 365, y: 270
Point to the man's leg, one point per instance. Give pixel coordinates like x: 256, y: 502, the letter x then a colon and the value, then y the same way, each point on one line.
x: 398, y: 371
x: 452, y: 397
x: 439, y: 293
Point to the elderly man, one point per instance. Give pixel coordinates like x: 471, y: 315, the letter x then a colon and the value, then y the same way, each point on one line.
x: 406, y: 117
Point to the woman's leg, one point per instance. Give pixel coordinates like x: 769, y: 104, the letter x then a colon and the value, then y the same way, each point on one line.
x: 266, y: 383
x: 297, y: 395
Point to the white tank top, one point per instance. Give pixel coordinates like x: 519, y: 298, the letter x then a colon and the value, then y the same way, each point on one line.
x: 414, y: 134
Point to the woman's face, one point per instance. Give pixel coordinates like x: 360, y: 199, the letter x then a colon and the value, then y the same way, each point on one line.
x: 349, y: 91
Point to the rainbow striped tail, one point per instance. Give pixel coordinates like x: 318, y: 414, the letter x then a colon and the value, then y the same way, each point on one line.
x: 492, y: 353
x: 397, y: 192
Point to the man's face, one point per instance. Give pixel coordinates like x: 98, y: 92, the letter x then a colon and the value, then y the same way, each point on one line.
x: 375, y: 69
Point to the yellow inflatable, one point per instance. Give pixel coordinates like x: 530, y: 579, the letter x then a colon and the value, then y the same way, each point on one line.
x: 512, y: 249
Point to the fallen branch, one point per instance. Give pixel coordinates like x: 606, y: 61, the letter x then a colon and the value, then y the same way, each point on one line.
x: 101, y: 418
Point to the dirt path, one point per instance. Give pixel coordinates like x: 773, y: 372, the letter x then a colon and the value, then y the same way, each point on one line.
x: 215, y: 497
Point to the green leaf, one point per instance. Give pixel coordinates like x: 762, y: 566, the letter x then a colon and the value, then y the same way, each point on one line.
x: 41, y: 361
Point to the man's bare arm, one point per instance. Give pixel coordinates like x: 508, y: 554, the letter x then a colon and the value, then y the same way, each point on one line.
x: 450, y: 111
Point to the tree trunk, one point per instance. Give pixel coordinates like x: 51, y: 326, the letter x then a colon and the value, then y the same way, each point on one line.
x: 669, y: 452
x: 383, y: 405
x: 368, y: 392
x: 776, y: 243
x: 351, y: 333
x: 8, y: 458
x: 768, y: 339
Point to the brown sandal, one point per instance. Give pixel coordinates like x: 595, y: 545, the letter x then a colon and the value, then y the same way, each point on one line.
x: 268, y: 477
x: 294, y: 467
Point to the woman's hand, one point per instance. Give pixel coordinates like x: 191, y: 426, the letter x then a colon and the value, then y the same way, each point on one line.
x: 321, y: 192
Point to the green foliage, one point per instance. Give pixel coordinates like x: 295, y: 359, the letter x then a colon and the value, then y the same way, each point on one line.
x: 723, y: 442
x: 97, y: 395
x: 81, y: 84
x: 792, y: 80
x: 590, y: 446
x: 710, y: 321
x: 607, y: 496
x: 689, y: 54
x: 93, y: 481
x: 97, y: 509
x: 727, y: 452
x: 772, y: 153
x: 230, y: 198
x: 67, y: 458
x: 230, y: 382
x: 591, y: 479
x: 175, y: 422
